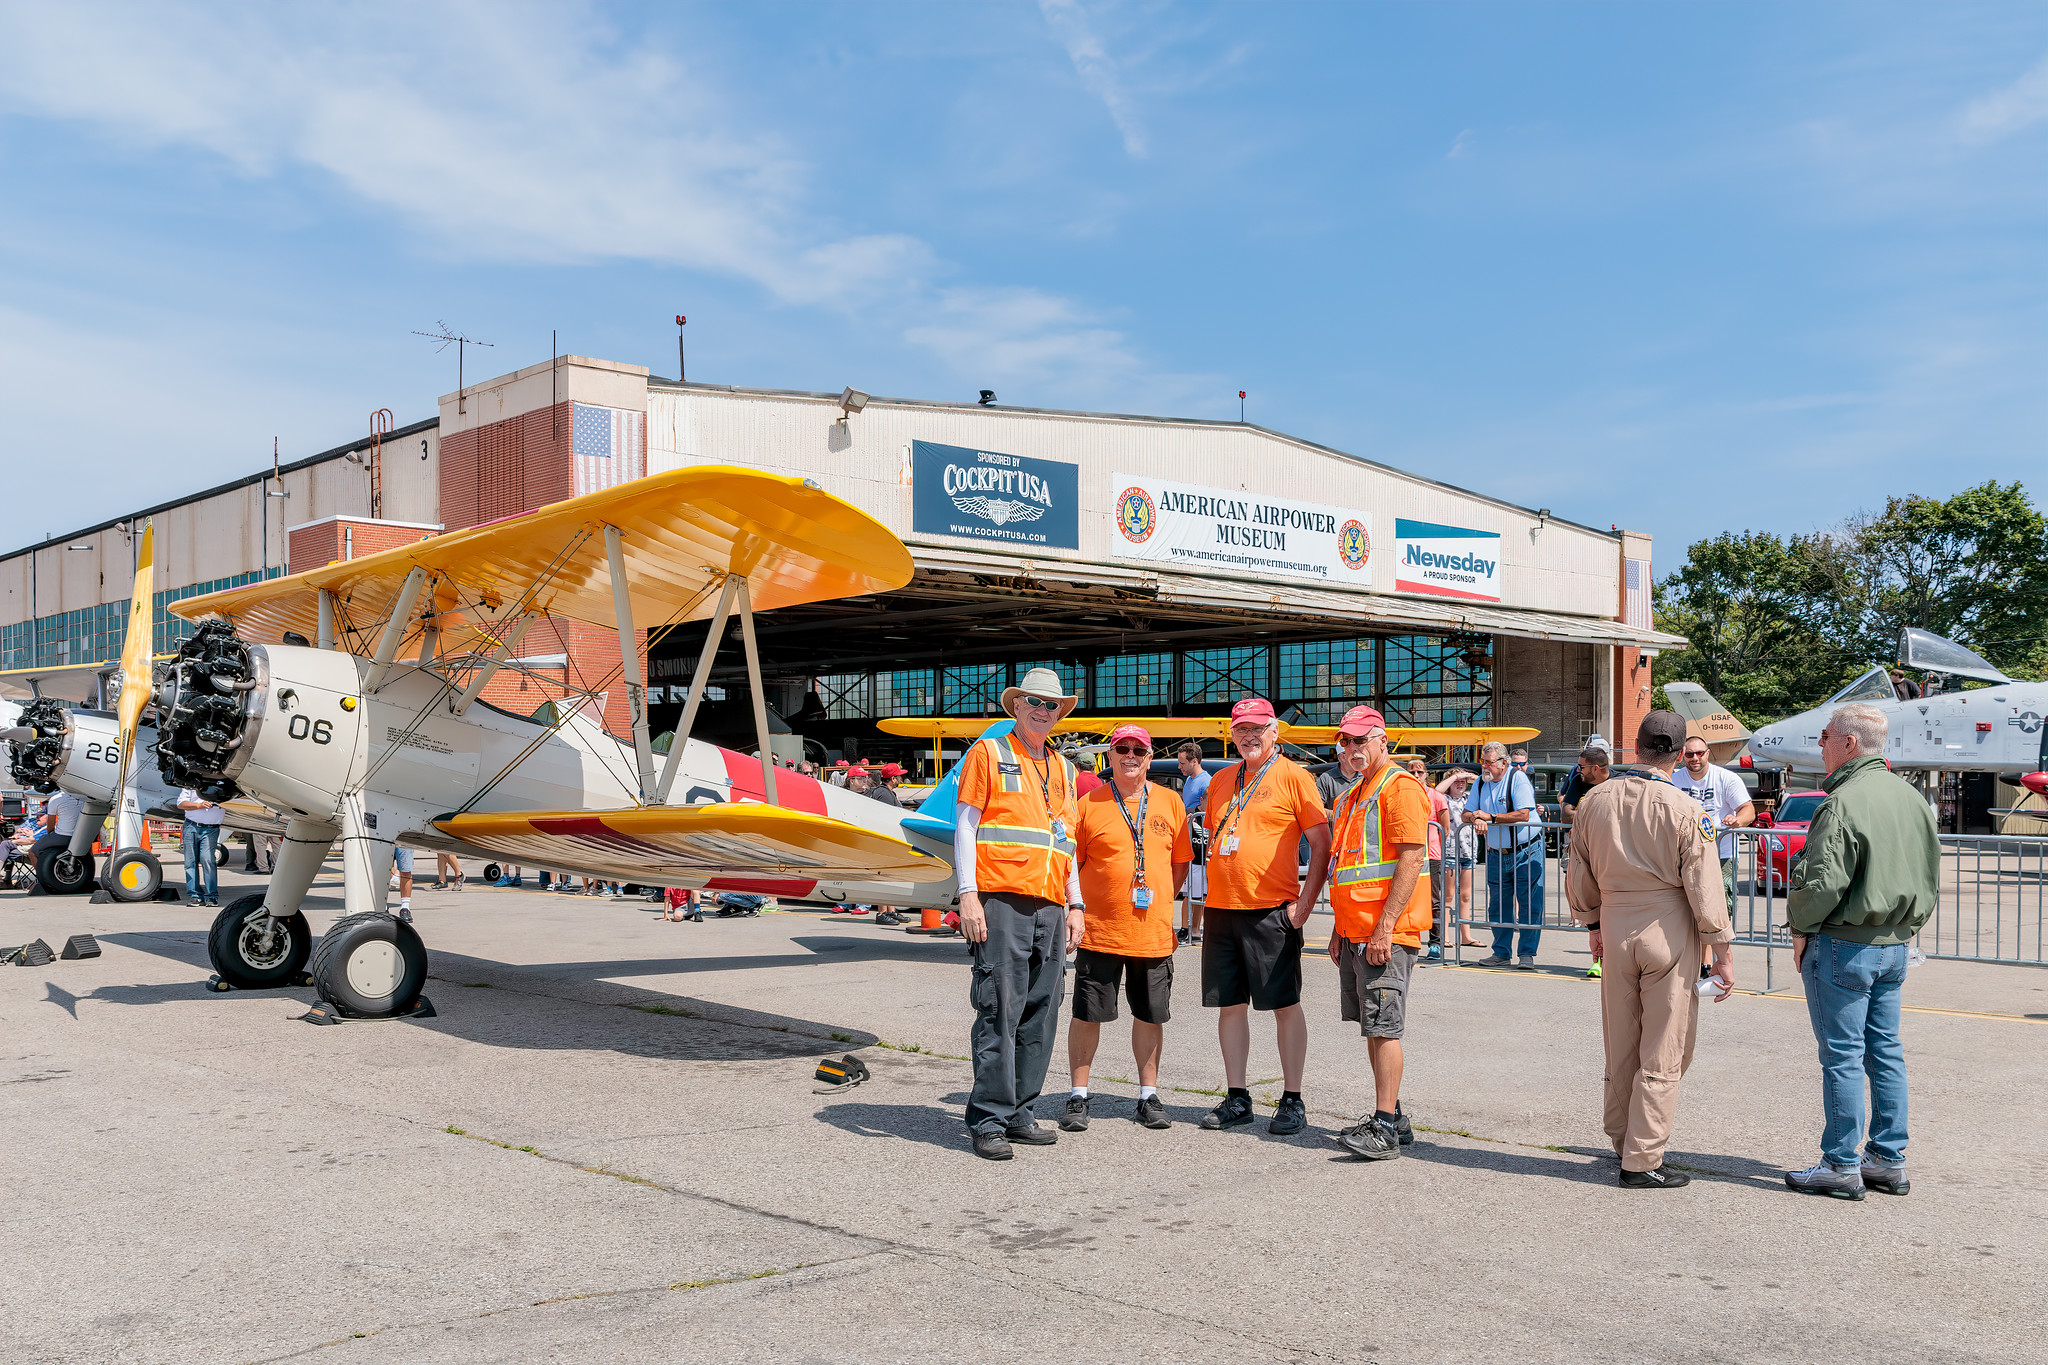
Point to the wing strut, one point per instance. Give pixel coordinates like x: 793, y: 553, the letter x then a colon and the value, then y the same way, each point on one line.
x: 326, y: 619
x: 636, y: 695
x: 754, y: 685
x: 394, y: 629
x: 508, y: 643
x: 698, y: 681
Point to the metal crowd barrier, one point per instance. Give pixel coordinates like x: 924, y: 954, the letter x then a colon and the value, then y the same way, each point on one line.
x: 1992, y: 896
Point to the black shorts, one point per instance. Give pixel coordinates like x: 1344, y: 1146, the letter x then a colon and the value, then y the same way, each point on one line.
x: 1147, y: 981
x: 1250, y: 957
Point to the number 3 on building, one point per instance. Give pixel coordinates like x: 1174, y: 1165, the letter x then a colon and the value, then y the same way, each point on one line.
x: 322, y: 731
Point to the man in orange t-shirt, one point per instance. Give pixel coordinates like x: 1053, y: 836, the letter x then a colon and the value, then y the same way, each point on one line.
x: 1128, y: 888
x: 1380, y: 893
x: 1257, y: 813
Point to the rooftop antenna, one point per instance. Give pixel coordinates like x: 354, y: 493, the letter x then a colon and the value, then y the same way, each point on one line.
x: 1240, y: 407
x: 681, y: 321
x: 449, y: 337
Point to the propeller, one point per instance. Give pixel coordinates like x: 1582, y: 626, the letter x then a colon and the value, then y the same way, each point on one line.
x: 136, y: 680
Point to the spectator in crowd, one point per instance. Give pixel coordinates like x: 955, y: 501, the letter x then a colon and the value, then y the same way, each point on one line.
x: 1257, y: 812
x: 1379, y: 844
x: 1641, y: 879
x: 1332, y: 783
x: 510, y: 876
x: 447, y: 872
x: 1723, y: 799
x: 1593, y: 768
x: 1462, y: 847
x: 1194, y: 790
x: 1132, y: 850
x: 684, y: 900
x: 61, y: 810
x: 1904, y: 687
x: 401, y: 862
x: 1437, y: 935
x: 1519, y: 758
x: 881, y: 786
x: 1020, y: 908
x: 1863, y: 888
x: 201, y: 842
x: 1086, y: 780
x: 1505, y: 808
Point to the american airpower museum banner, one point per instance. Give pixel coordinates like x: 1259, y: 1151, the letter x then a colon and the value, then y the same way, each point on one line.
x: 985, y: 495
x: 1240, y: 532
x: 1446, y: 561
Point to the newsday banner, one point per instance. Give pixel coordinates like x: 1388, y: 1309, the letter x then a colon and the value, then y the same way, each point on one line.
x: 1446, y: 561
x: 1238, y: 532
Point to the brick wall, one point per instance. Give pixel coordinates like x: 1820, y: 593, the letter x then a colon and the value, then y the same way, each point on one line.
x: 1545, y: 684
x: 516, y: 465
x: 312, y: 547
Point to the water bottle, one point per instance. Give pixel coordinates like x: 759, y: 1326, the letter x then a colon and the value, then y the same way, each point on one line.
x: 1914, y: 957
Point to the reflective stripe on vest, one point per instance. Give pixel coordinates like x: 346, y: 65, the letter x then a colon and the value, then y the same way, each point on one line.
x: 1359, y: 860
x: 1018, y: 834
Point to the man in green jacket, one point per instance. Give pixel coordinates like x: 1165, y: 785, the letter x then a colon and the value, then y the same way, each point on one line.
x: 1864, y: 885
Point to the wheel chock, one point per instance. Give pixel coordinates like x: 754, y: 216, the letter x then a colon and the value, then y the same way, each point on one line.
x: 101, y: 897
x: 214, y: 983
x: 170, y: 893
x: 327, y: 1012
x: 321, y: 1013
x: 80, y: 945
x: 36, y: 954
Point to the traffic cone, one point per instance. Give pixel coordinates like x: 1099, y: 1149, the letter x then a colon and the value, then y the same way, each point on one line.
x: 931, y: 920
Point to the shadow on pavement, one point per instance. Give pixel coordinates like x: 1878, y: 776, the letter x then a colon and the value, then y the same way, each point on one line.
x: 1510, y: 1161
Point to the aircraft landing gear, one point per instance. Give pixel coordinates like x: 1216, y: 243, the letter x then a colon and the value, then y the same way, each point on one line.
x: 254, y: 950
x: 133, y: 874
x: 64, y: 873
x: 370, y: 965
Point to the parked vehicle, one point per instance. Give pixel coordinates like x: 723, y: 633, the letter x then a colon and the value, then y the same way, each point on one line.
x: 1787, y: 840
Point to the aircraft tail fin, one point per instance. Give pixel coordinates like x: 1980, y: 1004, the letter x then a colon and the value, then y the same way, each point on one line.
x: 1707, y: 719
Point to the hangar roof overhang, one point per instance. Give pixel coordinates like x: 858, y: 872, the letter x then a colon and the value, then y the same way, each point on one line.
x: 968, y: 606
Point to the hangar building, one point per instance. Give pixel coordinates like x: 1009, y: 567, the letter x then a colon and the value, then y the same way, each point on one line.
x: 1161, y: 565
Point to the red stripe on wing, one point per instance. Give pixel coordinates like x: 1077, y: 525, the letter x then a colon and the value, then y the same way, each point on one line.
x: 793, y: 791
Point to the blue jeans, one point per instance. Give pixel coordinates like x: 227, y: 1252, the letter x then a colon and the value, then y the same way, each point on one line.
x: 1514, y: 895
x: 1852, y: 996
x: 200, y: 843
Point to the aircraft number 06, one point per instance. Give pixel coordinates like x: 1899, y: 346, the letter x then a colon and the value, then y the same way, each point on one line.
x: 322, y: 731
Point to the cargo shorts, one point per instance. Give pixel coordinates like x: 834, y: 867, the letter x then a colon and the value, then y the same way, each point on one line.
x: 1375, y: 997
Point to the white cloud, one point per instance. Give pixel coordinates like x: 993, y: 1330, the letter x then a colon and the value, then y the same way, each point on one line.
x: 522, y: 133
x: 2019, y: 105
x: 1097, y: 70
x: 1461, y: 146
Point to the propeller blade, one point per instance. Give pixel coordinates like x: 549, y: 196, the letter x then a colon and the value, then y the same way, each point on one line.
x: 136, y: 681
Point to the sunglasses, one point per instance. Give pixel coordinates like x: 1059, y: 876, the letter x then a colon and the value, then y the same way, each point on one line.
x: 1041, y: 704
x: 1127, y: 750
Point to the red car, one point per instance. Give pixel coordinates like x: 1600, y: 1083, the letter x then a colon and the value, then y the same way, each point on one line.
x: 1787, y: 836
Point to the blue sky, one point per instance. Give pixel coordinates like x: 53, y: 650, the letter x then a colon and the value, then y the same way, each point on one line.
x: 1688, y: 268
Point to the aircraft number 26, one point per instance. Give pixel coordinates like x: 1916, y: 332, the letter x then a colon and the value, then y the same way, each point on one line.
x: 322, y: 731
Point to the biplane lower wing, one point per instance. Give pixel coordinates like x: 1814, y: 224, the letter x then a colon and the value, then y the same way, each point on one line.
x: 1206, y: 727
x: 655, y: 843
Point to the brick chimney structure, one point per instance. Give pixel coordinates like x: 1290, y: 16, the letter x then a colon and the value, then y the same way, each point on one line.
x: 516, y: 443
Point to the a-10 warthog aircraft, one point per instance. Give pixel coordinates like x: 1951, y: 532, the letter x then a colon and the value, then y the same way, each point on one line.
x: 294, y: 693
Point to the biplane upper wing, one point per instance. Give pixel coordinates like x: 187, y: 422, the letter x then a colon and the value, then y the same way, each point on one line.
x: 1204, y: 727
x: 73, y: 682
x: 681, y: 533
x: 685, y: 842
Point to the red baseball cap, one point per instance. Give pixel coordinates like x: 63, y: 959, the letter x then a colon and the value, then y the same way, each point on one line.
x: 1137, y: 732
x: 1252, y: 711
x: 1360, y: 719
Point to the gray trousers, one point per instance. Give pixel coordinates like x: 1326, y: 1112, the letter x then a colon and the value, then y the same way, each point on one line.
x: 1020, y: 977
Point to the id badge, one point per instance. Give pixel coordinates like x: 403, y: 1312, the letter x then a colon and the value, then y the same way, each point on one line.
x: 1141, y: 897
x: 1059, y: 831
x: 1229, y: 846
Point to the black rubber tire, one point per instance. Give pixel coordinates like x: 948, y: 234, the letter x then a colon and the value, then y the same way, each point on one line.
x: 132, y: 875
x: 492, y: 872
x: 357, y: 937
x: 243, y: 961
x: 221, y: 854
x: 72, y: 879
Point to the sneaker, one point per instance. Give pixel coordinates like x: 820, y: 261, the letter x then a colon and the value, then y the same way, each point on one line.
x: 1234, y: 1112
x: 405, y: 914
x: 502, y: 881
x: 1495, y: 961
x: 861, y: 910
x: 1403, y: 1128
x: 1435, y: 954
x: 1527, y: 964
x: 1663, y: 1178
x: 1152, y: 1114
x: 1593, y: 972
x: 1075, y: 1120
x: 889, y: 917
x: 1032, y: 1134
x: 1371, y: 1140
x: 519, y: 880
x: 1290, y: 1118
x: 1194, y: 938
x: 1885, y: 1179
x: 1180, y: 936
x: 992, y: 1146
x: 461, y: 883
x: 437, y: 886
x: 1825, y: 1179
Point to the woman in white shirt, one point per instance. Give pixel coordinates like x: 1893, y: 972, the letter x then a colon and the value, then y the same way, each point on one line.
x: 1461, y: 848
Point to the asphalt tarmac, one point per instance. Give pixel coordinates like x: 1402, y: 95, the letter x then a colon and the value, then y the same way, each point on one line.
x: 607, y: 1148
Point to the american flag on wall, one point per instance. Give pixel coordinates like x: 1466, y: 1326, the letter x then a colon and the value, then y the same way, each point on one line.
x: 607, y: 445
x: 1635, y: 597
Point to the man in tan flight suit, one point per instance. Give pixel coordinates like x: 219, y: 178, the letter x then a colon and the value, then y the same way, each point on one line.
x: 1646, y: 880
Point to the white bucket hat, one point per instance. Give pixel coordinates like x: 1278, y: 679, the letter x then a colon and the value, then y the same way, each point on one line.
x: 1039, y: 682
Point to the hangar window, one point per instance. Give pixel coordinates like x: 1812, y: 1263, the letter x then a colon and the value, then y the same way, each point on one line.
x: 1073, y: 677
x: 1216, y: 675
x: 906, y: 692
x: 1327, y: 670
x: 1129, y: 681
x: 847, y: 696
x: 973, y: 690
x: 1431, y: 681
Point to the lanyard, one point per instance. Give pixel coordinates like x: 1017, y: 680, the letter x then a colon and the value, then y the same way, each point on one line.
x: 1138, y: 829
x: 1241, y: 798
x: 1044, y: 775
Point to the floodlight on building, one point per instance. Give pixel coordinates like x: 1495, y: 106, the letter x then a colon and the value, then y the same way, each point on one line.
x: 988, y: 396
x: 78, y: 547
x: 851, y: 400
